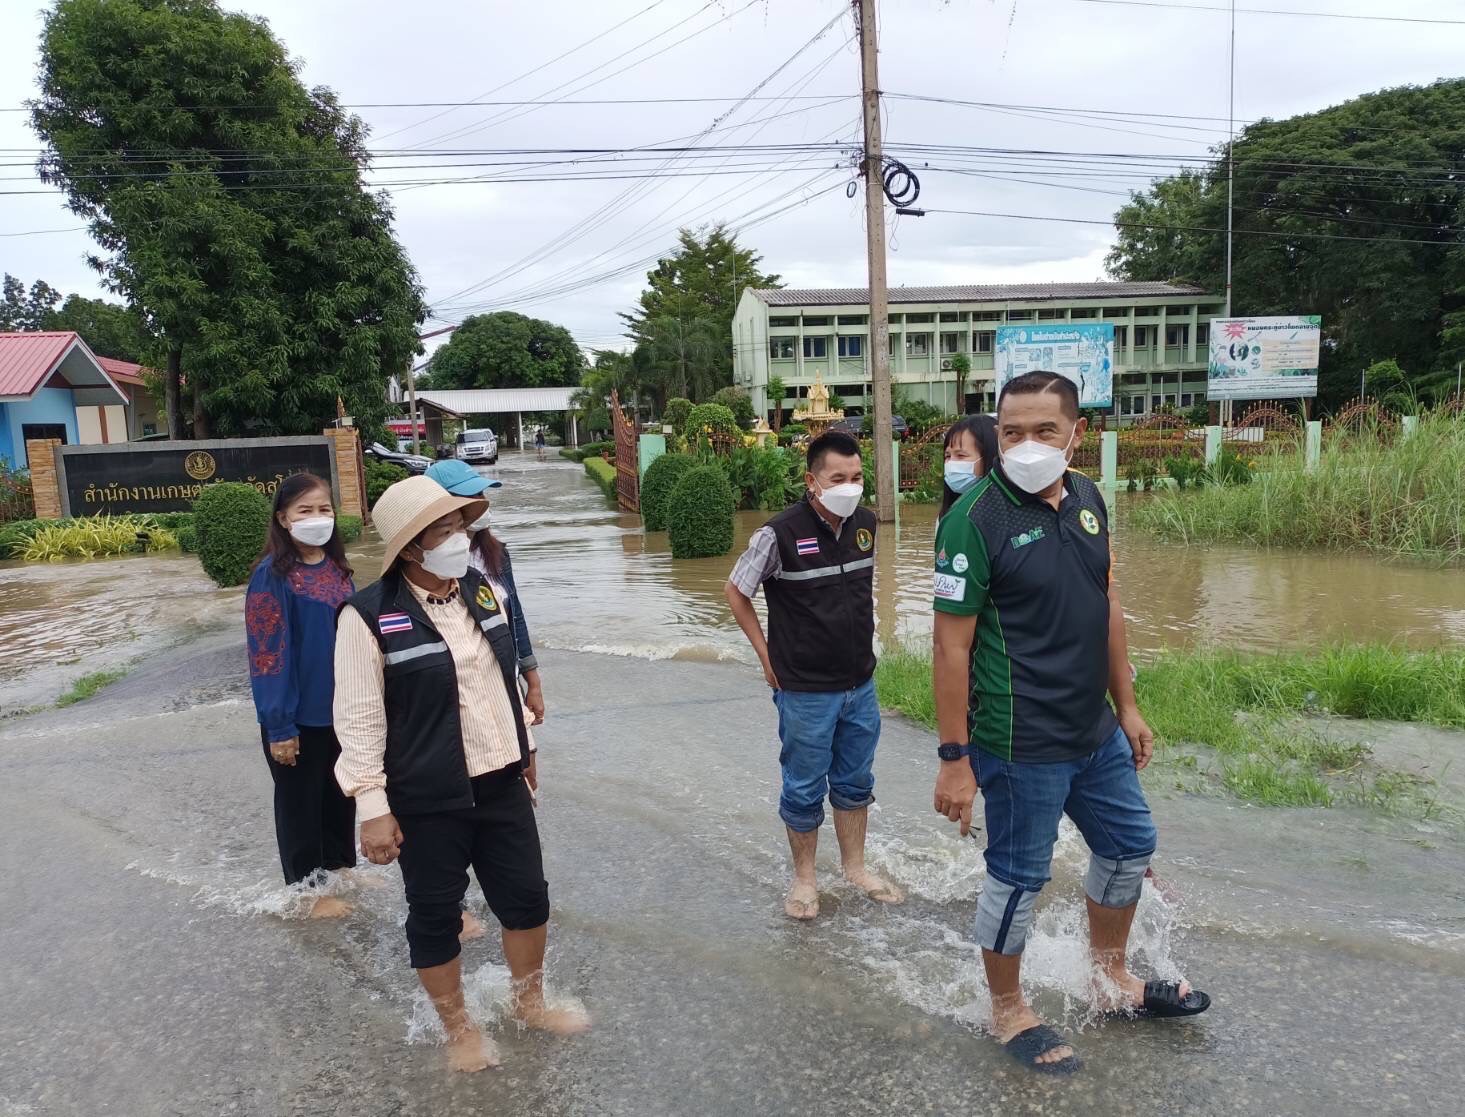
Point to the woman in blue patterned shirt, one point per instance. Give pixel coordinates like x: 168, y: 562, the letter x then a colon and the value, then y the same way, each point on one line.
x: 290, y: 618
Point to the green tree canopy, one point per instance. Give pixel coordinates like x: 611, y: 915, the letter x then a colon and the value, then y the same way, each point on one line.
x: 109, y: 329
x: 682, y: 325
x: 507, y: 350
x: 1354, y: 213
x: 229, y: 205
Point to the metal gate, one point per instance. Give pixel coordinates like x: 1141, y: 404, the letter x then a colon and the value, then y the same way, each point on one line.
x: 628, y: 473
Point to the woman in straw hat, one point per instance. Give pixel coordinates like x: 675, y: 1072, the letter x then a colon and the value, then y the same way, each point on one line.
x: 435, y: 750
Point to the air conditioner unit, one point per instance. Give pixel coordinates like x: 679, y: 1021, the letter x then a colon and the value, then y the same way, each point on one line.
x: 945, y: 364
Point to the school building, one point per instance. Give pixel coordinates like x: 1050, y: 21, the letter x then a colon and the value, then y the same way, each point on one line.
x: 1161, y: 331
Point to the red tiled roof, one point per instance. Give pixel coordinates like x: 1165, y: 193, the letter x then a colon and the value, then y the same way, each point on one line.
x: 125, y: 372
x: 27, y: 360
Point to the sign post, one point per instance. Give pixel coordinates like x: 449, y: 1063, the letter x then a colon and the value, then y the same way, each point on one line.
x: 1082, y: 352
x: 1264, y: 358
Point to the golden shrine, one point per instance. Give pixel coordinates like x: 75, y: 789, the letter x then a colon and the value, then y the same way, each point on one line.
x: 815, y: 414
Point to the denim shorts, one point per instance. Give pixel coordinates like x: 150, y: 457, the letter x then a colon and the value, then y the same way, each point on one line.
x: 828, y: 740
x: 1022, y: 803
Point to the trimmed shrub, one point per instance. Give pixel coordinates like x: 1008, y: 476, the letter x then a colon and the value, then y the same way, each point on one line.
x: 348, y: 528
x: 700, y: 514
x: 188, y: 539
x: 711, y: 418
x: 230, y: 523
x: 661, y: 477
x: 603, y: 474
x: 736, y: 400
x: 171, y: 520
x: 570, y: 453
x: 380, y: 476
x: 596, y: 449
x: 675, y: 413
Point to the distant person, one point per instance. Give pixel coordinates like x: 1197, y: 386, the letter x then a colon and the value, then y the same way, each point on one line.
x: 290, y: 620
x: 539, y: 442
x: 436, y: 750
x: 969, y: 450
x: 815, y: 562
x: 1029, y: 637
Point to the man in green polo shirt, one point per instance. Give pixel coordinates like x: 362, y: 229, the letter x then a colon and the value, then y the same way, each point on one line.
x: 1029, y: 648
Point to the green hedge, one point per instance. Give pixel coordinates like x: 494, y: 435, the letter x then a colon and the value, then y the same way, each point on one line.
x: 349, y: 528
x: 380, y: 476
x: 187, y: 539
x: 230, y: 522
x: 675, y: 413
x: 711, y: 418
x: 571, y: 453
x: 603, y: 474
x: 700, y: 514
x: 661, y: 477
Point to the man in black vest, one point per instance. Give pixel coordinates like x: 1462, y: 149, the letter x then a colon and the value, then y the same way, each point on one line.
x: 435, y: 749
x: 815, y: 562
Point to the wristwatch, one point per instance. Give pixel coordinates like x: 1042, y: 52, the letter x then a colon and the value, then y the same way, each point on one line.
x: 952, y: 751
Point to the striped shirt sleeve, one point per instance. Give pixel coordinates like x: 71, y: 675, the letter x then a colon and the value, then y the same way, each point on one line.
x: 757, y: 564
x: 359, y: 710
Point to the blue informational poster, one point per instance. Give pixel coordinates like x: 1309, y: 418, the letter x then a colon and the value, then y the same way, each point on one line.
x: 1081, y: 351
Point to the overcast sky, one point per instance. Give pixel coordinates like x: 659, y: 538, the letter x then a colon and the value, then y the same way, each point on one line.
x: 533, y: 239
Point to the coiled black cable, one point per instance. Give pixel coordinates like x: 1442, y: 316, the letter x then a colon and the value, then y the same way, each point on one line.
x: 901, y: 185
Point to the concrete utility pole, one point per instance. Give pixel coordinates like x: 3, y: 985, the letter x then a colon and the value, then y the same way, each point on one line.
x: 412, y: 406
x: 879, y: 334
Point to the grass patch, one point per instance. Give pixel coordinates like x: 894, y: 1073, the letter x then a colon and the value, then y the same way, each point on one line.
x: 1250, y: 710
x: 1401, y: 497
x: 88, y: 685
x: 97, y: 537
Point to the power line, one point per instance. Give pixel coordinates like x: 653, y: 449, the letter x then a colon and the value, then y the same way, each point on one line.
x: 39, y: 232
x: 1271, y: 12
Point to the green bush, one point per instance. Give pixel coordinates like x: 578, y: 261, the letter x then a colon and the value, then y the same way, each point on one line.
x: 596, y: 449
x: 711, y: 418
x: 188, y: 539
x: 573, y: 454
x: 661, y: 477
x: 1185, y: 470
x: 769, y: 478
x: 1141, y: 472
x: 349, y: 528
x: 736, y: 400
x: 95, y: 537
x: 230, y: 522
x: 791, y: 433
x: 172, y: 521
x: 700, y: 514
x: 603, y: 474
x: 676, y: 412
x: 380, y: 476
x: 15, y: 535
x: 1229, y: 469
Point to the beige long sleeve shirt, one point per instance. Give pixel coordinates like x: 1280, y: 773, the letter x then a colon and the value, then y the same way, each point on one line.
x: 484, y: 710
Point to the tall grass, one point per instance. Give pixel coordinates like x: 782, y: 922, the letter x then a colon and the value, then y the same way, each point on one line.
x: 1251, y: 711
x: 1404, y: 497
x: 96, y: 537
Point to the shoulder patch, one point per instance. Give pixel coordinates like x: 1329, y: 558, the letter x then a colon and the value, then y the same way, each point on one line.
x: 864, y: 540
x: 1088, y: 521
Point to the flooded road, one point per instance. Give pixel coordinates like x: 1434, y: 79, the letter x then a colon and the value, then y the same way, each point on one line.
x: 151, y: 962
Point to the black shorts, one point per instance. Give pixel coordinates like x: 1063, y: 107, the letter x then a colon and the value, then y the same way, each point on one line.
x: 499, y: 838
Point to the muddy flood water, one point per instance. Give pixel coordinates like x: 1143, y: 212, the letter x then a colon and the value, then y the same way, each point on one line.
x: 151, y: 962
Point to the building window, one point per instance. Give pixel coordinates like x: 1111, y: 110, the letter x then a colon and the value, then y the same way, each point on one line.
x: 917, y: 345
x: 1187, y: 399
x: 853, y: 319
x: 781, y: 348
x: 1141, y: 337
x: 1176, y: 335
x: 988, y: 316
x: 1049, y: 315
x: 1131, y: 405
x: 816, y: 348
x: 894, y: 341
x: 1019, y: 315
x: 1146, y: 311
x: 982, y: 341
x: 817, y: 321
x: 920, y: 318
x: 1121, y: 338
x: 29, y: 431
x: 950, y: 343
x: 1083, y: 312
x: 783, y: 321
x: 1203, y: 334
x: 1179, y: 311
x: 950, y: 316
x: 851, y: 346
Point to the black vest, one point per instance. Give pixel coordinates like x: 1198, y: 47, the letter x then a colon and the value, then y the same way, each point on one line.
x: 425, y: 767
x: 821, y: 607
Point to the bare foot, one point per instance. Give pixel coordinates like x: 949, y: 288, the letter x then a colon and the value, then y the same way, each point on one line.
x: 1010, y: 1022
x: 469, y: 1051
x: 329, y: 907
x: 802, y: 901
x: 473, y: 928
x: 555, y: 1021
x: 877, y: 888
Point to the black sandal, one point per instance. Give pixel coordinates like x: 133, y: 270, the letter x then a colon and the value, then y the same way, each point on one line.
x: 1163, y: 999
x: 1026, y: 1046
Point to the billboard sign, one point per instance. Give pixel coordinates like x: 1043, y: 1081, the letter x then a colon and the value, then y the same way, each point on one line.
x: 1264, y: 358
x: 1081, y: 351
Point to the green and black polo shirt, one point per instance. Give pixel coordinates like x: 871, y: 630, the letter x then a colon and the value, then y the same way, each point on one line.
x: 1037, y: 580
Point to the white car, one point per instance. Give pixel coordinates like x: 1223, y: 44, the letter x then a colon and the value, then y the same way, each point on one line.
x: 478, y: 446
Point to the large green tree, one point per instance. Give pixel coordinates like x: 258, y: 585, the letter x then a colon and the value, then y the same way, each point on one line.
x: 230, y: 207
x: 682, y: 324
x: 1354, y: 213
x: 507, y: 350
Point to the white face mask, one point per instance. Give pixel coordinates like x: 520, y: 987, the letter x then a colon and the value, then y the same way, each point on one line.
x: 449, y: 559
x: 1034, y: 466
x: 960, y: 476
x: 842, y: 500
x: 313, y: 532
x: 479, y: 524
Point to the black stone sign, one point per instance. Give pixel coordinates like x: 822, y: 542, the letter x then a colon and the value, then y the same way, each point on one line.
x: 167, y: 477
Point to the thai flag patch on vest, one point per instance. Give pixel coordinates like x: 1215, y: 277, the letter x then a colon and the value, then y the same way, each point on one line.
x: 807, y: 546
x: 389, y: 623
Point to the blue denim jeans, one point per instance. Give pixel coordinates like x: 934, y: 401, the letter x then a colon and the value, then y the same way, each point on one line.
x: 1022, y: 804
x: 829, y: 740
